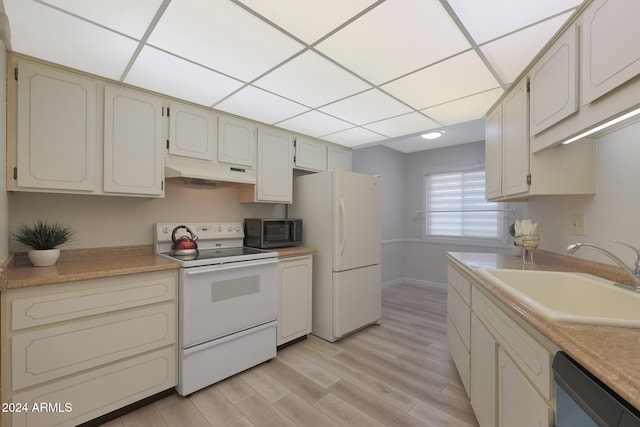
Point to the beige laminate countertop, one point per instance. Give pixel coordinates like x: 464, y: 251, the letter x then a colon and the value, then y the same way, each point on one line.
x: 84, y: 264
x: 610, y: 353
x: 294, y: 251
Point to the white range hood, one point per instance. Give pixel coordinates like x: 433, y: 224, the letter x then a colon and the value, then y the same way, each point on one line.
x: 202, y: 171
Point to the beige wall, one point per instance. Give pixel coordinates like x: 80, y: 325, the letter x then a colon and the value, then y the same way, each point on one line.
x: 612, y: 213
x: 102, y: 221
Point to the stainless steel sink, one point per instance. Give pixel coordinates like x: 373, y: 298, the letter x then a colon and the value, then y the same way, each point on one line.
x: 570, y: 297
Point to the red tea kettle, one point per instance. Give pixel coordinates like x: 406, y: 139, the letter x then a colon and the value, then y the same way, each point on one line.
x: 185, y: 245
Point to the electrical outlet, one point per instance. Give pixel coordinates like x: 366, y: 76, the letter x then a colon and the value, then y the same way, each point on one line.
x: 577, y: 225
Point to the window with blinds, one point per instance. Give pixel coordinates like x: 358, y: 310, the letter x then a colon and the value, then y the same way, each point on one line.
x: 456, y: 207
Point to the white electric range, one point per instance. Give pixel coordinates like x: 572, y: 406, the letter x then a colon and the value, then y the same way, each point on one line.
x: 227, y: 303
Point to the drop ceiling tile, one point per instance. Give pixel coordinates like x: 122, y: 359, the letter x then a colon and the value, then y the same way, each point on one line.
x: 223, y: 36
x: 306, y: 20
x: 260, y: 105
x: 158, y: 71
x: 54, y: 36
x: 394, y: 39
x: 511, y: 54
x: 125, y: 16
x: 366, y: 107
x: 488, y: 19
x: 466, y: 109
x: 403, y: 125
x: 460, y: 76
x: 312, y: 80
x: 314, y: 123
x: 354, y: 137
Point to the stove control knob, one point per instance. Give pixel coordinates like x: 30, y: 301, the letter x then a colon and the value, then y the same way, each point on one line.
x: 237, y: 227
x: 229, y: 228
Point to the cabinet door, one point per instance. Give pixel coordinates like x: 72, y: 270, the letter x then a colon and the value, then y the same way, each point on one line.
x: 515, y: 141
x: 338, y: 158
x: 493, y: 154
x: 611, y: 52
x: 554, y: 83
x: 274, y: 181
x: 133, y: 152
x: 484, y: 354
x: 294, y: 314
x: 310, y: 155
x: 56, y: 129
x: 236, y: 141
x: 191, y: 132
x: 518, y: 402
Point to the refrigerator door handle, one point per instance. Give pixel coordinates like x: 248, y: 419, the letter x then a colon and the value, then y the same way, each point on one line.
x: 343, y: 225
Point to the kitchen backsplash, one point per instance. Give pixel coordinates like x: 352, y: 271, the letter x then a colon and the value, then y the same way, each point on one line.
x: 117, y: 221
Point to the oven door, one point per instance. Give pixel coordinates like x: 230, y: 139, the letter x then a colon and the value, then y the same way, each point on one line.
x: 219, y: 300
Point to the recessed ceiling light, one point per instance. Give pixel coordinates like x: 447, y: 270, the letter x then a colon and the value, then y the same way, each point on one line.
x: 432, y: 135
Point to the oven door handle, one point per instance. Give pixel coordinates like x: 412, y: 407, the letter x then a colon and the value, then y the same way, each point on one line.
x: 230, y: 266
x: 204, y: 346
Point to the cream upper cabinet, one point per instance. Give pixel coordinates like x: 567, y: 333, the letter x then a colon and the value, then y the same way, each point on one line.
x: 192, y: 131
x: 294, y: 294
x: 338, y: 158
x: 515, y: 140
x: 493, y: 153
x: 133, y: 142
x: 274, y: 171
x: 310, y: 155
x: 554, y: 83
x: 507, y: 145
x: 236, y: 141
x: 56, y: 130
x: 611, y: 52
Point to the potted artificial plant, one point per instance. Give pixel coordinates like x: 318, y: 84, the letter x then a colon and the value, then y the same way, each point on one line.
x: 43, y: 238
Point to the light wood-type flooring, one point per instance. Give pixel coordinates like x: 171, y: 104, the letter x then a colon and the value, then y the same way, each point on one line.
x: 398, y: 373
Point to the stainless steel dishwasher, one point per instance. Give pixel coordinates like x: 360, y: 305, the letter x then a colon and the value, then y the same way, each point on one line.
x: 582, y: 400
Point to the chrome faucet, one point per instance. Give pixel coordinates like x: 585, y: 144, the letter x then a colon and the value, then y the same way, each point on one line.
x: 572, y: 248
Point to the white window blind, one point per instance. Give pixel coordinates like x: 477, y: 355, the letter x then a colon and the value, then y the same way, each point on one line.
x: 456, y: 207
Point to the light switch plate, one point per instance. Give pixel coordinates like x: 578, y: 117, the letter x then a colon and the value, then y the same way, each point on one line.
x: 577, y: 225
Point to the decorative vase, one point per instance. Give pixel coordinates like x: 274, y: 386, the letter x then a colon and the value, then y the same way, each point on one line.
x: 43, y: 257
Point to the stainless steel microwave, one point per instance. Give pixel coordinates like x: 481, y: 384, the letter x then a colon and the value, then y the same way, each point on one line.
x: 267, y: 233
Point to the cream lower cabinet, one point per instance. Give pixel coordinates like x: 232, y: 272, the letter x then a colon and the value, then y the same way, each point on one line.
x: 81, y: 350
x: 294, y: 290
x: 510, y: 376
x: 459, y: 323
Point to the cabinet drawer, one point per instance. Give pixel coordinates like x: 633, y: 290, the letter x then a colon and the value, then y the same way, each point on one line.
x: 92, y: 297
x: 100, y: 391
x: 532, y: 358
x: 460, y: 284
x: 49, y: 353
x: 460, y: 315
x: 459, y: 354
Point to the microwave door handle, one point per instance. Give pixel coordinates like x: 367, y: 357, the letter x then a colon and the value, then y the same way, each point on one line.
x: 293, y: 231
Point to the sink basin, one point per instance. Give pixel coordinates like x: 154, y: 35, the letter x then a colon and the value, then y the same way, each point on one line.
x: 570, y: 297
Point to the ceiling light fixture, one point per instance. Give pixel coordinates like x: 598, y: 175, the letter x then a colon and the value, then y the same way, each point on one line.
x: 603, y: 126
x: 432, y: 135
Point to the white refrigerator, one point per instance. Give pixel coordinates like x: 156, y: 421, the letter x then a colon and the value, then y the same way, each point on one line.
x: 340, y: 214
